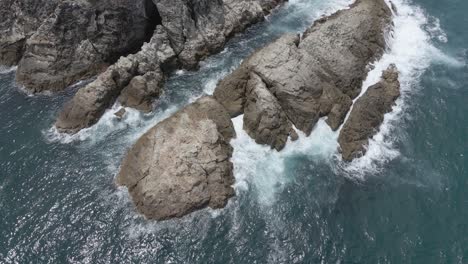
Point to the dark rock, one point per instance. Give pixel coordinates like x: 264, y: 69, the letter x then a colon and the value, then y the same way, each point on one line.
x: 90, y: 102
x: 368, y: 114
x: 78, y: 40
x: 19, y: 21
x: 120, y: 114
x: 182, y: 164
x: 230, y: 91
x: 141, y: 91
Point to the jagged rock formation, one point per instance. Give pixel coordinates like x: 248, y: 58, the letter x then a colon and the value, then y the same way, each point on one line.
x: 368, y: 114
x: 182, y: 164
x: 313, y: 76
x: 20, y: 19
x: 77, y: 40
x: 91, y: 101
x: 189, y: 31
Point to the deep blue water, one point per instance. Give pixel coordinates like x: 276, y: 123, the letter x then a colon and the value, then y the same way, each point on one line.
x: 405, y: 202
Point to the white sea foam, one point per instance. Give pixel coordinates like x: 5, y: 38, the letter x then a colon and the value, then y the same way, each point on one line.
x: 265, y: 169
x: 109, y: 123
x: 7, y: 69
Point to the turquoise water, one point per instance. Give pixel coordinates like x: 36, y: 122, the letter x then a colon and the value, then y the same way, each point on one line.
x: 405, y: 202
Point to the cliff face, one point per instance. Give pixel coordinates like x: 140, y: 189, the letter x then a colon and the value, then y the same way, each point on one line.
x: 189, y: 31
x: 292, y: 81
x: 62, y: 42
x: 58, y: 42
x: 20, y: 19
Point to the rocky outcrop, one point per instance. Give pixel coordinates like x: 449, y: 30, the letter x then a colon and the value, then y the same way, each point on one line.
x: 368, y: 114
x: 90, y: 102
x: 314, y: 76
x: 189, y: 31
x: 19, y: 20
x: 182, y: 164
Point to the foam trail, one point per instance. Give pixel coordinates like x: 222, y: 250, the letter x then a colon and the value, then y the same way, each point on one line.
x: 412, y: 51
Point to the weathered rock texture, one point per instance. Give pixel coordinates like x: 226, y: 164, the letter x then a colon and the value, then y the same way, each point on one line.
x: 307, y: 78
x: 182, y: 164
x: 78, y: 39
x: 19, y: 21
x: 189, y: 31
x: 368, y: 114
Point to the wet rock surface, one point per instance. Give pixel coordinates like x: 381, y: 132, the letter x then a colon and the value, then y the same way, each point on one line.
x: 368, y: 114
x: 182, y: 164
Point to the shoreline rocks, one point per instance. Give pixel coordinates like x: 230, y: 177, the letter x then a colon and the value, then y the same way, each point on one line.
x: 188, y: 33
x: 368, y: 114
x: 183, y: 163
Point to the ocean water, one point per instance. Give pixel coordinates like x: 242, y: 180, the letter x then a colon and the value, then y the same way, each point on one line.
x: 404, y: 202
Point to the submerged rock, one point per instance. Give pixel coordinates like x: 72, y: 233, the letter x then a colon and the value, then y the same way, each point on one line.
x: 182, y: 164
x: 368, y: 114
x: 120, y: 114
x: 313, y: 76
x: 189, y: 31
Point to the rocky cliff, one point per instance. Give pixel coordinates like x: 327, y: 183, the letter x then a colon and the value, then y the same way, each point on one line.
x: 188, y: 32
x: 291, y: 82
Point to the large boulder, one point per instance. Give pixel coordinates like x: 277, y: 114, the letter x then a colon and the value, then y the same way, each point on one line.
x: 314, y: 76
x: 368, y: 114
x: 183, y: 163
